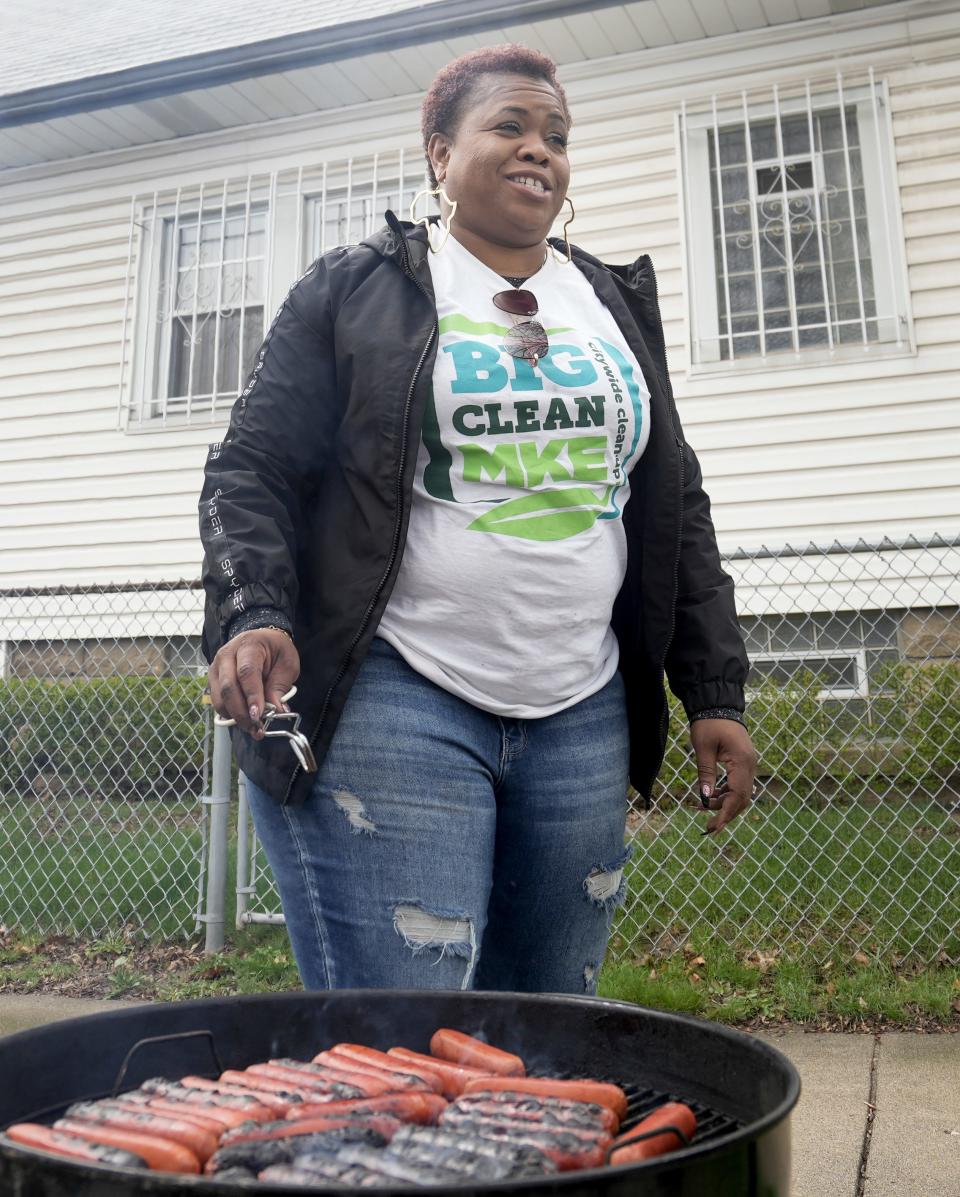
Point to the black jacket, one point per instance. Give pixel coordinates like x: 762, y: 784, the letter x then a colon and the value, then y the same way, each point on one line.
x: 306, y: 501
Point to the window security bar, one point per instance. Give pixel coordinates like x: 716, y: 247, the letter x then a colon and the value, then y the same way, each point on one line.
x: 195, y: 288
x: 207, y: 263
x: 790, y: 217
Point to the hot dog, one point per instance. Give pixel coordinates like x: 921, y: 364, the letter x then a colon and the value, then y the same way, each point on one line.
x: 304, y: 1067
x: 556, y: 1111
x: 160, y: 1154
x: 206, y: 1094
x: 570, y: 1150
x: 598, y: 1092
x: 468, y: 1156
x: 45, y: 1138
x: 384, y: 1124
x: 203, y: 1143
x: 214, y: 1116
x: 373, y: 1081
x: 423, y: 1108
x: 208, y: 1120
x: 259, y: 1084
x: 453, y: 1077
x: 397, y: 1081
x: 271, y: 1105
x: 318, y: 1080
x: 459, y: 1048
x: 305, y: 1178
x: 627, y: 1150
x: 372, y: 1058
x: 258, y: 1154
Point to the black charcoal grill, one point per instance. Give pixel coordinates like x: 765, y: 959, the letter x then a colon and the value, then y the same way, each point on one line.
x: 741, y: 1090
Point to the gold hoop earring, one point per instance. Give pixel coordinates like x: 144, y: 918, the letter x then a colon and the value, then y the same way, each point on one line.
x: 567, y: 223
x: 425, y: 220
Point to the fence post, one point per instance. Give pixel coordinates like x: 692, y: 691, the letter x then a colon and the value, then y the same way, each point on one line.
x: 219, y: 803
x: 244, y: 888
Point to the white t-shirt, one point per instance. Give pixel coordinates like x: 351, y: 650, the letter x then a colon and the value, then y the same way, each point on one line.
x: 515, y: 549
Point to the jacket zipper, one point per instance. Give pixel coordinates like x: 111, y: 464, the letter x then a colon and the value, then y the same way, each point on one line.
x: 395, y: 546
x: 665, y: 716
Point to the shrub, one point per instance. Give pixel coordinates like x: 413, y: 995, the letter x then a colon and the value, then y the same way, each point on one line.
x: 125, y: 737
x: 909, y: 738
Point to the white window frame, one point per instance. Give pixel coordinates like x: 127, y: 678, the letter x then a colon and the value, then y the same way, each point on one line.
x: 694, y: 128
x: 293, y: 199
x: 857, y: 655
x: 143, y: 401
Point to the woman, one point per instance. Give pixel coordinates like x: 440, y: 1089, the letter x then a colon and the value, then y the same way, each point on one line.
x: 454, y: 504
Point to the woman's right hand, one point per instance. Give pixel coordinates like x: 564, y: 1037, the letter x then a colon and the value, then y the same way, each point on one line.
x: 251, y: 670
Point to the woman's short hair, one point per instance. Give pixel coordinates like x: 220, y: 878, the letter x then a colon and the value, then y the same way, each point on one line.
x: 449, y: 93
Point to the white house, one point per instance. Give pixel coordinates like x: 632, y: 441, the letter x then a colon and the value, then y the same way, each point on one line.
x: 132, y: 134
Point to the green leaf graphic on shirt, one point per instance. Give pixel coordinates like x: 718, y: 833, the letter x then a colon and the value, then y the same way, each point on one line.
x: 463, y: 324
x: 535, y: 517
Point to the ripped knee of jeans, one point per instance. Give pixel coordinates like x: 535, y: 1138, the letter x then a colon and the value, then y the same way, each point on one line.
x: 421, y: 929
x: 605, y: 885
x: 449, y: 934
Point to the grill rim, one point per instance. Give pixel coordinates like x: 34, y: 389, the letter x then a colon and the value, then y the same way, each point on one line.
x: 160, y: 1182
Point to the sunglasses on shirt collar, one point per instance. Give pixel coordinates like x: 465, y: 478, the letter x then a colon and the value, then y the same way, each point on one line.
x: 527, y: 338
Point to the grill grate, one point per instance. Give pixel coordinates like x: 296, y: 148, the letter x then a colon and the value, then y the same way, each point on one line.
x: 711, y: 1124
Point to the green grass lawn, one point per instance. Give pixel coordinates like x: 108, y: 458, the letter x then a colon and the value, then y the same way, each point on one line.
x: 755, y: 987
x: 718, y: 984
x: 80, y: 866
x: 820, y: 913
x: 817, y: 881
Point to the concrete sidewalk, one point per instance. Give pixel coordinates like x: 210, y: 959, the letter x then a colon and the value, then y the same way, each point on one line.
x: 880, y: 1111
x: 877, y: 1111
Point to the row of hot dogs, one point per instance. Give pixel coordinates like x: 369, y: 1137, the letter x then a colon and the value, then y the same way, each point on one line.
x: 354, y: 1115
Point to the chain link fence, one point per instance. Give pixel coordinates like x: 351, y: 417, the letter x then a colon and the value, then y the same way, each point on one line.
x: 104, y: 759
x: 853, y: 842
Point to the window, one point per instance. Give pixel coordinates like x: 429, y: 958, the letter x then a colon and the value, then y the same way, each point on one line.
x: 208, y: 263
x: 793, y: 238
x: 199, y: 279
x: 211, y: 307
x: 847, y: 650
x: 843, y: 674
x: 351, y: 200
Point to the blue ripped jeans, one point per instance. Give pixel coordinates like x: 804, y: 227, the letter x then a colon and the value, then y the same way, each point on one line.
x: 443, y: 847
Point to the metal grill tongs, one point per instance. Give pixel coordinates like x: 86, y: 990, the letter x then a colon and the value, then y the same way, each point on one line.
x: 292, y: 733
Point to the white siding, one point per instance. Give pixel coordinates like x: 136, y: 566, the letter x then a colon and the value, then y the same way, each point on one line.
x: 861, y: 449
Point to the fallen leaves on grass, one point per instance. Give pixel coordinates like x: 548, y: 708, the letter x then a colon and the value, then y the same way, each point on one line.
x: 211, y: 973
x: 761, y: 960
x: 102, y: 968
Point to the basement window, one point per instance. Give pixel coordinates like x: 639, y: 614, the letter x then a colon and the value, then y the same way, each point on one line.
x: 843, y: 675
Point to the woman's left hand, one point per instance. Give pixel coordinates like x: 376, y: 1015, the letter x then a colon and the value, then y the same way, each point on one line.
x: 728, y: 743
